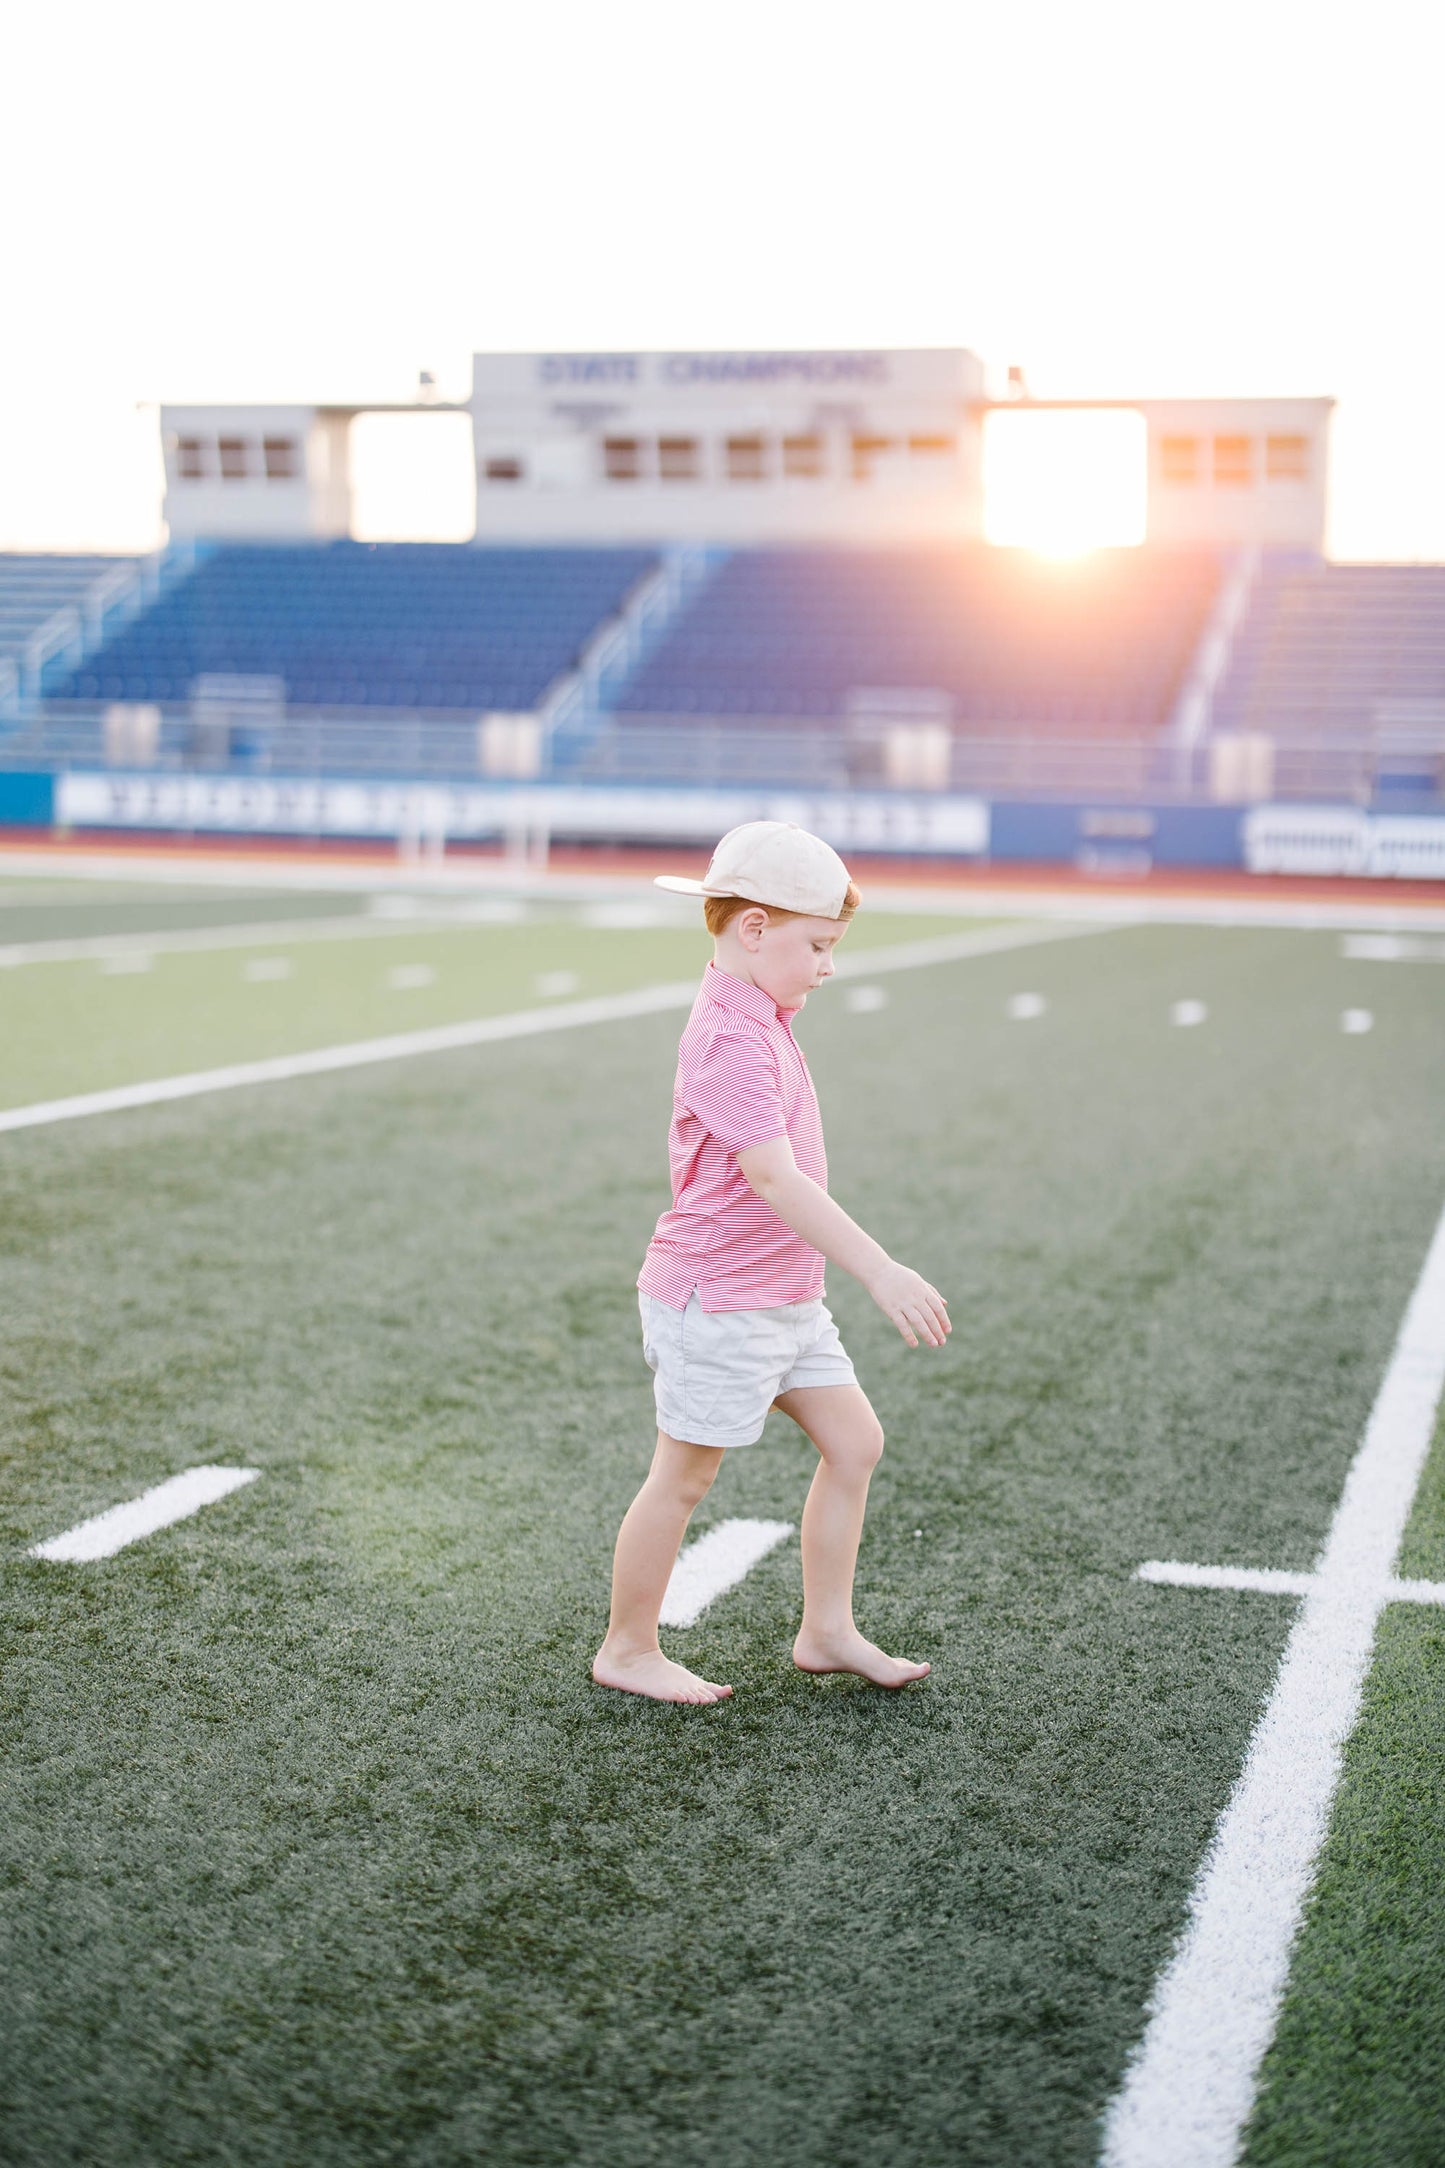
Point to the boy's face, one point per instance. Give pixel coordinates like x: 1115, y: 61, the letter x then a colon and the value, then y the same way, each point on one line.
x: 794, y: 956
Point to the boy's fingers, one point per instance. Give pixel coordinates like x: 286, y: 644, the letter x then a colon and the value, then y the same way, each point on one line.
x: 926, y: 1318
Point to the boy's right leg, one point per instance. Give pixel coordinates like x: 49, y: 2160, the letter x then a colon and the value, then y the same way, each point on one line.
x: 647, y: 1546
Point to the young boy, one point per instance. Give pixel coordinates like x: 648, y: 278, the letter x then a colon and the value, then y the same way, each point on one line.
x: 731, y: 1292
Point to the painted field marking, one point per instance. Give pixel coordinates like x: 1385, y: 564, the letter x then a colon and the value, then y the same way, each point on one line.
x: 864, y: 1000
x: 951, y: 948
x: 125, y: 963
x: 466, y: 911
x: 1270, y: 1581
x: 1392, y: 948
x: 159, y: 866
x: 175, y: 1500
x: 1189, y: 2089
x: 401, y: 977
x: 550, y: 984
x: 518, y: 1024
x: 1023, y: 1008
x: 1356, y: 1021
x: 626, y: 913
x: 271, y: 932
x: 1186, y: 1013
x: 717, y: 1562
x: 259, y: 968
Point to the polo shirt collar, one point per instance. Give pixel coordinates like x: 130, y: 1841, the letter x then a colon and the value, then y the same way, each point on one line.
x: 731, y: 993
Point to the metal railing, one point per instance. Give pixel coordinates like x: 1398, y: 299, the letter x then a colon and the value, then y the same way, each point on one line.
x: 994, y: 761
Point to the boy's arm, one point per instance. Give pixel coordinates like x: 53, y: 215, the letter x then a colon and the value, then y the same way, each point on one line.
x: 772, y: 1173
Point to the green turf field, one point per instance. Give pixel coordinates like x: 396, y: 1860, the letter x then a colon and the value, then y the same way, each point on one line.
x: 84, y: 1023
x: 317, y: 1844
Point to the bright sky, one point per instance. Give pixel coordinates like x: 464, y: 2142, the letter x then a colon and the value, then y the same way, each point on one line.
x: 314, y: 201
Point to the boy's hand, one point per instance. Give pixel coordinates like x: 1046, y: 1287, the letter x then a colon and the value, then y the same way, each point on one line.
x: 918, y: 1310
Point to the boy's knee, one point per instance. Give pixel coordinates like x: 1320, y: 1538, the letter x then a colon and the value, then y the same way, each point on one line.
x: 694, y: 1484
x: 688, y: 1477
x: 864, y: 1447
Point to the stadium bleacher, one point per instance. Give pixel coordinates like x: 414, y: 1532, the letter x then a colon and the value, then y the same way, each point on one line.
x: 40, y: 591
x: 355, y: 625
x: 383, y: 657
x: 965, y: 667
x: 1329, y: 650
x: 1093, y: 646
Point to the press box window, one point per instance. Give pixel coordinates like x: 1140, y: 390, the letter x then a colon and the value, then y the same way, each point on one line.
x: 677, y: 459
x: 1179, y: 459
x: 621, y: 459
x: 804, y: 457
x: 235, y: 459
x: 1233, y: 460
x: 746, y: 459
x: 865, y: 451
x: 282, y: 464
x: 1286, y: 459
x: 191, y: 459
x: 502, y: 470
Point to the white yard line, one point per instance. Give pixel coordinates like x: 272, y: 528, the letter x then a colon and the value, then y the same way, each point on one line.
x: 1264, y: 1579
x: 360, y: 1054
x: 1391, y: 948
x: 175, y: 1500
x: 1190, y: 2087
x: 486, y: 1030
x: 275, y: 933
x: 383, y: 924
x: 199, y: 869
x: 717, y: 1562
x: 1269, y: 1581
x: 1417, y: 1592
x: 955, y: 947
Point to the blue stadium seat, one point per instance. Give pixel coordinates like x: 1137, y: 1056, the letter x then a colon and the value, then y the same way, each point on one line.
x: 1096, y: 646
x: 1324, y: 648
x: 352, y: 624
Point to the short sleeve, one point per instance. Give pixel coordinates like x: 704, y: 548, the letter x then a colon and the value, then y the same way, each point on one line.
x: 732, y: 1087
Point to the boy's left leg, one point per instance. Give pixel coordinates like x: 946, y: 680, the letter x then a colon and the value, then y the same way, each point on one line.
x: 849, y: 1439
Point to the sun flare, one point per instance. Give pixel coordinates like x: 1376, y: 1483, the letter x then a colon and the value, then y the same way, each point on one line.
x: 1063, y: 483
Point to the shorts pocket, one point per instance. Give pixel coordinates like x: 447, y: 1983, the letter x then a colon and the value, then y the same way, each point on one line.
x: 649, y: 1342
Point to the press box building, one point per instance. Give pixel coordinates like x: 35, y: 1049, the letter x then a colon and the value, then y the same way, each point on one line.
x: 867, y: 445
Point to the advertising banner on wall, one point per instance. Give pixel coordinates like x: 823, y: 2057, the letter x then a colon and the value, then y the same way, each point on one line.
x: 1336, y: 839
x: 244, y: 805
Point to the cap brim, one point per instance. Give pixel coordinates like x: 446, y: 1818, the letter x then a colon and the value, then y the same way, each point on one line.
x: 679, y: 884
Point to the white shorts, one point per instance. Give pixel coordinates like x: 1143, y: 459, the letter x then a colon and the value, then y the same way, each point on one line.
x: 717, y: 1372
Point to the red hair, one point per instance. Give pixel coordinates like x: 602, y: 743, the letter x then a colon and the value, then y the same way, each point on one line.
x: 720, y: 911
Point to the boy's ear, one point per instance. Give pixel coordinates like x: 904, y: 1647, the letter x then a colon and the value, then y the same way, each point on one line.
x: 751, y: 924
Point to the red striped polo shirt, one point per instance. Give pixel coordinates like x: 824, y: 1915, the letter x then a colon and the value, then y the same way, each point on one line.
x: 741, y: 1080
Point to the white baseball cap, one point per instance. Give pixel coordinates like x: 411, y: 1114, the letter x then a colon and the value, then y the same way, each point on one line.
x: 772, y: 862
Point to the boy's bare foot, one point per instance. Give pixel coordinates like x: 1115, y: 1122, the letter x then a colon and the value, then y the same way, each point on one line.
x: 850, y: 1652
x: 655, y: 1675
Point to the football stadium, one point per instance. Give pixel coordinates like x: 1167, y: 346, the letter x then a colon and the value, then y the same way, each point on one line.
x: 339, y: 1016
